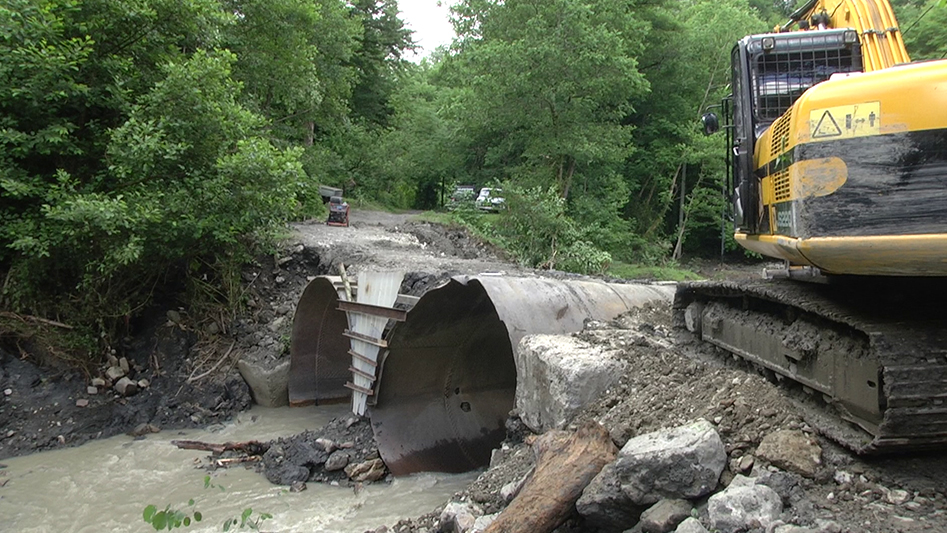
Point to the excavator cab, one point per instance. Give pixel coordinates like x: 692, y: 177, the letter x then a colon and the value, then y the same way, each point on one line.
x: 769, y: 73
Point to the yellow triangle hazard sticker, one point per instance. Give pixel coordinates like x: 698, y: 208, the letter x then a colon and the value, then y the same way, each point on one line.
x: 845, y: 121
x: 826, y: 127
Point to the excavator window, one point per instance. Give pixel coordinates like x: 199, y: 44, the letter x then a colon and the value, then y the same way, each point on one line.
x: 781, y: 76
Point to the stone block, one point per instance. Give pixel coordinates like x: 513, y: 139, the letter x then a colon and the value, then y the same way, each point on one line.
x: 557, y: 376
x: 792, y: 450
x: 605, y: 505
x: 665, y: 516
x: 743, y: 506
x: 683, y: 462
x: 691, y: 525
x: 268, y: 384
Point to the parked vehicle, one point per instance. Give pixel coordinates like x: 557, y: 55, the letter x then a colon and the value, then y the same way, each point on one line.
x: 490, y: 199
x: 338, y: 212
x: 327, y: 193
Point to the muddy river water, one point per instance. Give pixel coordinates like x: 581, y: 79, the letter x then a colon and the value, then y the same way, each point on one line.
x: 105, y: 485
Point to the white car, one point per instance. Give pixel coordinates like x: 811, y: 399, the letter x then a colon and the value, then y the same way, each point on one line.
x: 490, y: 199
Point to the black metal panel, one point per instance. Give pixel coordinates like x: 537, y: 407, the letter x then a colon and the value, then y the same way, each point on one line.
x: 896, y: 185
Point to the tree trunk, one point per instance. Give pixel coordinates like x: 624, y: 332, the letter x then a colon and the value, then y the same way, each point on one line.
x: 251, y: 447
x: 681, y: 218
x: 567, y: 184
x: 565, y: 465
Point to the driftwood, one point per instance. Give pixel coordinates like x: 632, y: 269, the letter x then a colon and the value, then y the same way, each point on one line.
x: 230, y: 461
x: 565, y: 465
x: 251, y: 447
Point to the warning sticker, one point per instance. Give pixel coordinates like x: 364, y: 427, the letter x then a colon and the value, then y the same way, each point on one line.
x: 845, y: 122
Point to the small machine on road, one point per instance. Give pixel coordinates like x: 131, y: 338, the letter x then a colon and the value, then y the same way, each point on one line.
x: 338, y: 212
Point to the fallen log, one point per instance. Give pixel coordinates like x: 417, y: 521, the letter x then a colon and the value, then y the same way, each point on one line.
x: 251, y: 447
x: 565, y: 465
x: 230, y: 461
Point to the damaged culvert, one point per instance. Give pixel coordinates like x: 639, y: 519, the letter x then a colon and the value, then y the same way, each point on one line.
x: 446, y: 383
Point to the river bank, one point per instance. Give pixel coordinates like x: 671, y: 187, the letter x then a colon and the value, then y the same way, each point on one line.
x: 668, y: 382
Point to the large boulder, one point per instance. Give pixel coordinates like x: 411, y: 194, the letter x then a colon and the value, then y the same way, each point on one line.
x: 792, y: 450
x: 605, y: 505
x: 458, y: 517
x: 290, y: 461
x: 558, y: 375
x: 682, y: 462
x: 691, y: 525
x: 665, y: 516
x: 744, y: 505
x: 268, y: 384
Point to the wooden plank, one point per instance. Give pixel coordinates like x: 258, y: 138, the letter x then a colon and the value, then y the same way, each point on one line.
x: 356, y: 388
x: 373, y: 310
x: 366, y: 375
x: 381, y: 343
x: 361, y: 357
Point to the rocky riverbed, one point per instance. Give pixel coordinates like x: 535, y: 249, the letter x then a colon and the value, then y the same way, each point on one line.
x: 764, y: 466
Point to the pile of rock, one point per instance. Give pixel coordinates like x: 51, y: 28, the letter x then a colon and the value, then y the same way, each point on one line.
x: 117, y: 376
x: 342, y: 452
x: 675, y: 480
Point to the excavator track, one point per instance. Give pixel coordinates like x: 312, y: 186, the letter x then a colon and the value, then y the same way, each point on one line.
x: 876, y: 349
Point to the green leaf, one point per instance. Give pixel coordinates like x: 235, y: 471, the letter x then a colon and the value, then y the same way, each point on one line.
x: 197, y: 516
x: 149, y: 513
x: 187, y: 521
x: 160, y: 520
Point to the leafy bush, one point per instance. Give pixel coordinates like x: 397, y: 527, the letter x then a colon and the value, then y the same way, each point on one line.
x: 583, y: 257
x: 537, y: 231
x: 98, y: 212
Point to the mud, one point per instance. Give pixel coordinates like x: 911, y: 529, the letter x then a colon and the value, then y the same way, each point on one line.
x: 48, y: 408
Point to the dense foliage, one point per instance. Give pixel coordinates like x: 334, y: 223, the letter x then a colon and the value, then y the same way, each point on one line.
x: 143, y: 141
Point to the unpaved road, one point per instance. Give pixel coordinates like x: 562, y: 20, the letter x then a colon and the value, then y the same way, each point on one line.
x: 671, y: 382
x: 382, y: 240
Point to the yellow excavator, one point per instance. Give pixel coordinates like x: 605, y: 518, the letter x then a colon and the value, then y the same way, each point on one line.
x: 837, y: 148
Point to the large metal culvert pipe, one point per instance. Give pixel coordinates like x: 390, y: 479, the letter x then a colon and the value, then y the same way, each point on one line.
x: 319, y: 360
x: 447, y: 383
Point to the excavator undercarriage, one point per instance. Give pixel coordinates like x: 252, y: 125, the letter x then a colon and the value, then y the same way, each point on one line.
x: 874, y: 349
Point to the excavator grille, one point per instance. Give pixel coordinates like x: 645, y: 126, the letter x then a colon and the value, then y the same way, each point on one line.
x: 781, y: 189
x: 780, y: 138
x: 778, y: 146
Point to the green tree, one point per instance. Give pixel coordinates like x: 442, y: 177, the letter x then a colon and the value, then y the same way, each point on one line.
x: 924, y: 28
x: 551, y: 82
x: 687, y: 63
x: 378, y: 57
x: 125, y: 155
x: 291, y: 57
